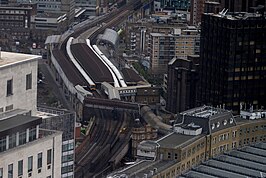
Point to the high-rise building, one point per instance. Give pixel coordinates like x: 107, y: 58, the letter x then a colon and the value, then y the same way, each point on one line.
x: 181, y: 83
x: 240, y: 5
x: 196, y: 11
x: 164, y: 47
x: 233, y: 60
x: 18, y: 83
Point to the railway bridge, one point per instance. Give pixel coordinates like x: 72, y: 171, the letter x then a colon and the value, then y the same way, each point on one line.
x: 92, y: 102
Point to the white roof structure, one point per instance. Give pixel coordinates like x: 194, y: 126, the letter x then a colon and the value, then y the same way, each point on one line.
x: 110, y: 35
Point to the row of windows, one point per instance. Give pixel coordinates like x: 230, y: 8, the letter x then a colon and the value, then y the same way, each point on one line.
x: 193, y: 150
x: 13, y: 142
x: 13, y: 12
x: 9, y: 86
x: 30, y: 165
x: 11, y: 17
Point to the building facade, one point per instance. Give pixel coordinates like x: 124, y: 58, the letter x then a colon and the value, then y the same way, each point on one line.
x: 196, y: 11
x: 240, y: 5
x: 18, y: 83
x: 14, y: 27
x: 181, y: 83
x: 64, y: 121
x: 164, y: 47
x: 232, y: 60
x: 198, y: 135
x: 176, y: 4
x: 28, y: 151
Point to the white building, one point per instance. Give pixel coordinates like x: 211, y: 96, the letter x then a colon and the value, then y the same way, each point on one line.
x: 18, y: 81
x: 26, y: 150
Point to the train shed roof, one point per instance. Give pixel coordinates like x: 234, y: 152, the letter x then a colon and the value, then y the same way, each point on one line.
x: 94, y: 67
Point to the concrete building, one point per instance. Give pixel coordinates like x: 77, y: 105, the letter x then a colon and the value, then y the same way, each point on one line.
x: 231, y: 58
x: 196, y: 11
x: 138, y: 33
x: 182, y: 77
x: 18, y: 82
x: 164, y: 47
x: 64, y: 121
x: 26, y: 150
x: 198, y: 135
x: 91, y: 7
x: 14, y: 27
x: 174, y: 4
x: 43, y: 25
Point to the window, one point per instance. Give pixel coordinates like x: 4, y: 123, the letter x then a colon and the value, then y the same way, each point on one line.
x: 32, y: 134
x: 10, y: 171
x: 28, y: 81
x: 9, y: 88
x: 39, y: 163
x: 20, y: 168
x: 9, y: 107
x: 49, y: 156
x: 30, y: 162
x: 22, y: 138
x: 12, y: 141
x: 1, y: 172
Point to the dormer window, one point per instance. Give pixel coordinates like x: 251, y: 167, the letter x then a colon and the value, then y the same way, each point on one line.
x: 225, y: 122
x: 231, y: 120
x: 218, y: 124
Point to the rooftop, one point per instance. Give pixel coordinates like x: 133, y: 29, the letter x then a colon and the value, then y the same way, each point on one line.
x: 10, y: 58
x: 18, y: 121
x: 249, y: 161
x: 175, y: 140
x: 236, y: 15
x: 204, y: 111
x: 142, y: 168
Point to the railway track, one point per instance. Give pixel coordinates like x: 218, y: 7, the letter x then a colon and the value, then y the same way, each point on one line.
x: 95, y: 152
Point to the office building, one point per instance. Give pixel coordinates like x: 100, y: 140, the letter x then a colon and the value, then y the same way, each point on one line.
x: 164, y: 47
x: 91, y: 7
x: 196, y: 11
x: 245, y: 162
x: 64, y: 121
x: 14, y: 27
x: 18, y: 84
x: 182, y: 77
x: 174, y: 4
x: 26, y: 150
x: 200, y: 134
x: 240, y: 5
x: 232, y: 60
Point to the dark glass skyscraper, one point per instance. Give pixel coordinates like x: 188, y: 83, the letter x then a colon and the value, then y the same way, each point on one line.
x: 233, y: 60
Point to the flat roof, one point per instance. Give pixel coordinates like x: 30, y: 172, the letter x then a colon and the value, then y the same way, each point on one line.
x: 11, y: 124
x: 11, y: 58
x: 174, y: 140
x: 140, y: 168
x: 249, y: 161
